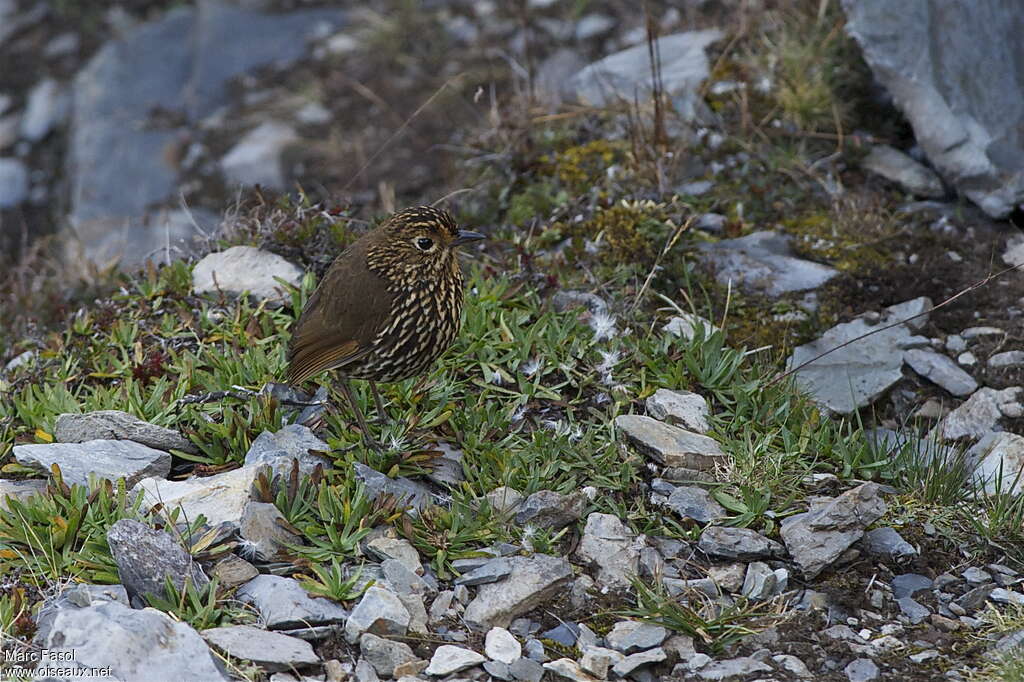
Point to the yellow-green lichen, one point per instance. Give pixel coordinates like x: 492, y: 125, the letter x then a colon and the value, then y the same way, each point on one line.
x: 583, y: 166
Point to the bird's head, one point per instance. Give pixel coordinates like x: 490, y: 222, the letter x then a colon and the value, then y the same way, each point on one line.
x: 420, y: 242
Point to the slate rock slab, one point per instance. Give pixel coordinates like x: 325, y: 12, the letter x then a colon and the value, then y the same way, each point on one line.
x: 118, y: 425
x: 610, y: 546
x: 626, y: 75
x: 20, y: 490
x: 220, y: 498
x: 737, y: 544
x: 695, y: 503
x: 763, y: 262
x: 283, y: 604
x: 1000, y: 463
x: 146, y: 557
x: 179, y: 63
x: 940, y: 369
x: 853, y: 376
x: 272, y: 651
x: 136, y: 644
x: 533, y: 581
x: 110, y: 459
x: 899, y: 168
x: 817, y: 537
x: 670, y: 445
x: 981, y: 413
x: 405, y: 490
x: 278, y: 449
x: 954, y: 69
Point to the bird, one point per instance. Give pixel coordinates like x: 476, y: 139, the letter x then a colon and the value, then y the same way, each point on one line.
x: 387, y: 307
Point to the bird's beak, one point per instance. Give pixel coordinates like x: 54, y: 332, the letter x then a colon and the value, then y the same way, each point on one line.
x: 466, y: 236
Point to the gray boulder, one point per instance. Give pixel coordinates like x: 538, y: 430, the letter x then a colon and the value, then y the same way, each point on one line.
x: 954, y: 69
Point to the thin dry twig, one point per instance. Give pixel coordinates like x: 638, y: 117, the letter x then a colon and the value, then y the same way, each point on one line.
x: 976, y: 285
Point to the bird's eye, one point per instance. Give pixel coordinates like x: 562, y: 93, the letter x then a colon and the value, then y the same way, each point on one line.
x: 424, y: 243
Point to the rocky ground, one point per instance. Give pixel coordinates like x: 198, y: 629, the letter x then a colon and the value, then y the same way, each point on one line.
x: 631, y: 465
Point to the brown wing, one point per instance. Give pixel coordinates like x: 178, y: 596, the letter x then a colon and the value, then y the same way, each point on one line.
x: 341, y: 318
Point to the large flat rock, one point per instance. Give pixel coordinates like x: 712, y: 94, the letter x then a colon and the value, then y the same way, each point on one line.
x: 955, y: 70
x: 119, y: 166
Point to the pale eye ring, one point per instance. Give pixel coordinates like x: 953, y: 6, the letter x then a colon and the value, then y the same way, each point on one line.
x: 424, y: 243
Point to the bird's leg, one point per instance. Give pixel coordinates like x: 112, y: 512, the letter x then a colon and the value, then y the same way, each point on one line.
x: 347, y: 392
x: 381, y: 414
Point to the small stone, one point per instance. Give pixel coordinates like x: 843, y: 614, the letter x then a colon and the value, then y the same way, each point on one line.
x: 385, y: 655
x: 818, y: 537
x: 110, y: 459
x: 975, y: 332
x: 534, y: 649
x: 861, y: 670
x: 14, y: 183
x: 682, y: 408
x: 504, y: 500
x: 915, y: 611
x: 887, y: 542
x: 731, y: 668
x: 944, y: 624
x: 439, y: 608
x: 792, y: 665
x: 263, y: 528
x: 728, y: 577
x: 695, y: 503
x: 569, y: 669
x: 549, y: 509
x: 670, y: 445
x: 922, y: 656
x: 245, y: 269
x: 221, y: 498
x: 609, y: 544
x: 500, y: 645
x: 909, y: 584
x: 941, y: 370
x: 46, y: 108
x: 279, y: 449
x: 761, y: 582
x: 118, y: 425
x: 364, y: 672
x: 256, y: 158
x: 630, y: 636
x: 1002, y: 595
x: 974, y: 600
x: 634, y: 661
x: 379, y: 612
x: 532, y: 581
x: 597, y: 660
x: 20, y: 490
x: 1000, y: 468
x: 527, y: 670
x: 1008, y: 358
x: 737, y: 544
x: 897, y: 167
x: 980, y: 414
x: 956, y: 343
x: 146, y: 557
x: 565, y: 634
x: 232, y: 571
x: 448, y: 659
x: 272, y: 651
x: 976, y: 576
x: 283, y: 604
x: 398, y: 549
